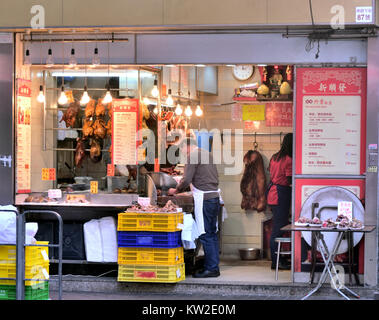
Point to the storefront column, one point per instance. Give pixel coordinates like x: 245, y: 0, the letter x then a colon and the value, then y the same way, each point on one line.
x: 6, y: 119
x: 371, y: 202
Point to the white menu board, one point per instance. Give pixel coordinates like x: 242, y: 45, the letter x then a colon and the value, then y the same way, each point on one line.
x: 124, y: 131
x: 331, y: 134
x: 331, y: 121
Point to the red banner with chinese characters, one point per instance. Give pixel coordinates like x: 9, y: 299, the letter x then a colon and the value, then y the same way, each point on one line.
x: 331, y: 121
x: 279, y: 114
x: 23, y: 138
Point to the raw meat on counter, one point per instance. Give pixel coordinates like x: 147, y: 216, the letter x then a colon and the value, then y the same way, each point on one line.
x: 170, y: 207
x: 39, y: 199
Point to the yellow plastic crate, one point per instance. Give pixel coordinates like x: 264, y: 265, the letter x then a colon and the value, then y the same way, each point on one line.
x: 33, y: 255
x: 150, y: 256
x: 163, y: 222
x: 37, y: 271
x: 145, y: 273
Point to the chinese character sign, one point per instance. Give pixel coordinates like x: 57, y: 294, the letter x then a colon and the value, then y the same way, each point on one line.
x: 23, y: 136
x: 124, y: 136
x: 279, y: 114
x: 363, y: 14
x: 331, y: 121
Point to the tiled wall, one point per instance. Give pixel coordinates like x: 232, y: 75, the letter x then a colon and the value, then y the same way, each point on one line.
x: 241, y: 229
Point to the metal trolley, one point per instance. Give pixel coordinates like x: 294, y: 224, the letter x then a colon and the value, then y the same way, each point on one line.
x: 20, y: 251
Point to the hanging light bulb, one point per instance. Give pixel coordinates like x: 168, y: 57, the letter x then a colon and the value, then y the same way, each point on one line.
x: 28, y: 60
x: 41, y: 96
x: 108, y: 97
x: 169, y: 100
x: 188, y: 111
x: 198, y: 111
x: 155, y: 110
x: 155, y: 91
x: 178, y: 110
x: 85, y: 97
x: 146, y: 101
x: 96, y: 58
x: 50, y: 59
x: 73, y: 62
x: 63, y: 98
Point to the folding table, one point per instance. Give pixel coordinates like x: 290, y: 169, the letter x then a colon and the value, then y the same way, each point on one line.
x: 328, y: 256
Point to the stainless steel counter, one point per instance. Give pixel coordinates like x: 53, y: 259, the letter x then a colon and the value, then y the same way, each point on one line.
x: 94, y: 200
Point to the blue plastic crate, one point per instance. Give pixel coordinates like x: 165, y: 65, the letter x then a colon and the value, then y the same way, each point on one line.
x: 142, y: 239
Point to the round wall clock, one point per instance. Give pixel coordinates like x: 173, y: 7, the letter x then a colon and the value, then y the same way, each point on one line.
x: 243, y: 72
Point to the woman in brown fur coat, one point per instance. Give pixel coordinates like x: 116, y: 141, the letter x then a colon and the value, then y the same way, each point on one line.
x: 253, y: 183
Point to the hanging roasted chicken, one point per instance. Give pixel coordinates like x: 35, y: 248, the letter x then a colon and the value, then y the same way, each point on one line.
x: 88, y: 129
x: 100, y: 109
x: 99, y: 129
x: 109, y: 128
x: 90, y: 109
x: 110, y: 110
x: 69, y: 116
x: 80, y: 152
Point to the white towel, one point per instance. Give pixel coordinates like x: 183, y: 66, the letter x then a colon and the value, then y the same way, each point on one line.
x: 108, y: 231
x: 7, y: 225
x: 92, y: 241
x: 190, y: 232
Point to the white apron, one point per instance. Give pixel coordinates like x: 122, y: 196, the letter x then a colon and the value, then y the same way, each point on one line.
x: 198, y: 198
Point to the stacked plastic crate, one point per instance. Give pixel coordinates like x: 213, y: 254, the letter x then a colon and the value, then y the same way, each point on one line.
x: 150, y: 247
x: 36, y: 267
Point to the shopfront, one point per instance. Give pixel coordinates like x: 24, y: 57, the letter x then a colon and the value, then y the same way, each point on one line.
x: 93, y: 160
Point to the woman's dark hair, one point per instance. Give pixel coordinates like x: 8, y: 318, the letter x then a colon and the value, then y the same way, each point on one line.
x: 285, y: 149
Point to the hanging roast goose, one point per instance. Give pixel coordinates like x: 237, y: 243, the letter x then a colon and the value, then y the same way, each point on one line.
x: 69, y: 116
x: 253, y: 183
x: 80, y: 152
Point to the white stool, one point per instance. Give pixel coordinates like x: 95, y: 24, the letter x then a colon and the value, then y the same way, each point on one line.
x: 278, y: 253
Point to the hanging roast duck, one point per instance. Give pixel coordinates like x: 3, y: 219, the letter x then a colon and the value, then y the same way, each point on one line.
x: 69, y: 116
x: 80, y: 152
x: 95, y: 150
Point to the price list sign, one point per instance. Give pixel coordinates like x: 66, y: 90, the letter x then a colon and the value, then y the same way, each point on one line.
x: 124, y: 131
x: 331, y: 121
x: 24, y: 106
